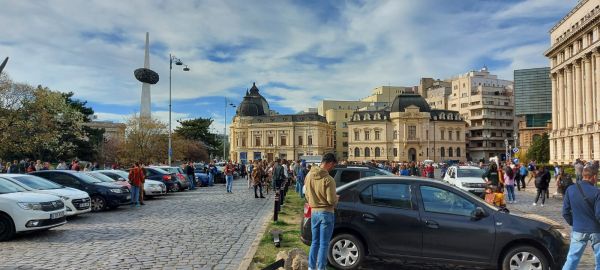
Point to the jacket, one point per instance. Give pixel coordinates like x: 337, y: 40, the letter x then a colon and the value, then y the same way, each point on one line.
x: 542, y: 180
x: 257, y: 173
x: 278, y: 174
x: 320, y: 190
x: 578, y: 213
x: 136, y: 176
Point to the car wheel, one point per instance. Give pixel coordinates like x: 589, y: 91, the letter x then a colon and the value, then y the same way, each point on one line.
x: 98, y: 203
x: 525, y: 257
x: 7, y: 229
x: 345, y: 252
x: 178, y: 187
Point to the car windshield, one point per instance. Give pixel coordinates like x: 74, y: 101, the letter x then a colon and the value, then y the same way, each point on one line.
x: 36, y: 182
x: 100, y: 176
x: 385, y: 172
x: 9, y: 187
x: 121, y: 174
x: 470, y: 172
x: 87, y: 178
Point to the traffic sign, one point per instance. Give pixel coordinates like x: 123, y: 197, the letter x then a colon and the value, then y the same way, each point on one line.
x: 515, y: 150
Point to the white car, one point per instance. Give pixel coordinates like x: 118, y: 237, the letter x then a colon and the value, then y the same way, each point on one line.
x: 151, y: 187
x: 467, y: 178
x: 22, y: 210
x: 76, y: 201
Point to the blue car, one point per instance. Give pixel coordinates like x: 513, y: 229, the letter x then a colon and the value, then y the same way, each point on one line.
x: 201, y: 178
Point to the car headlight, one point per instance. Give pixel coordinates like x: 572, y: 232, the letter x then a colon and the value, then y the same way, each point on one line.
x: 30, y: 206
x: 116, y: 190
x: 64, y: 198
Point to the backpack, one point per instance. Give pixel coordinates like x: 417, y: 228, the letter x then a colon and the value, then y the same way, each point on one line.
x: 565, y: 181
x: 531, y: 167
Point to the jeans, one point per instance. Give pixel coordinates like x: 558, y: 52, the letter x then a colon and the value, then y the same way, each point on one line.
x: 322, y: 229
x: 211, y: 179
x: 578, y: 243
x: 258, y: 187
x: 510, y: 191
x: 229, y: 181
x: 135, y: 195
x: 192, y: 184
x: 299, y: 185
x: 541, y: 192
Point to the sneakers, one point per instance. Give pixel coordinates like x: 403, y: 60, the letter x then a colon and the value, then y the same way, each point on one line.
x: 534, y: 204
x: 542, y: 205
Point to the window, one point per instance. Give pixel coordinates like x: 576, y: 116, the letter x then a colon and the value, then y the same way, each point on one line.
x: 395, y: 134
x: 349, y: 176
x: 244, y: 142
x: 367, y: 135
x: 450, y: 152
x: 310, y: 140
x: 332, y: 173
x: 442, y: 135
x: 458, y: 135
x: 395, y: 152
x: 356, y: 152
x: 458, y: 151
x: 345, y: 144
x: 393, y: 195
x: 344, y: 134
x: 257, y: 141
x: 377, y: 135
x: 412, y: 132
x: 377, y: 152
x: 300, y: 140
x: 356, y: 136
x: 367, y: 152
x: 283, y: 140
x: 442, y: 152
x: 442, y: 201
x: 270, y: 140
x: 449, y: 134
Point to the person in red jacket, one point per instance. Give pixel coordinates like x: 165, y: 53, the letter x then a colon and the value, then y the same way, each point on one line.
x: 136, y: 179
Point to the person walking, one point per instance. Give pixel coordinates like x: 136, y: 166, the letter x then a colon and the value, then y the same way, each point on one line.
x: 136, y: 177
x: 491, y: 176
x: 229, y: 169
x: 300, y: 175
x: 532, y: 168
x: 256, y: 176
x: 578, y: 170
x: 581, y: 210
x: 278, y: 174
x: 509, y: 182
x: 249, y: 169
x: 189, y: 171
x: 321, y: 196
x: 141, y: 196
x: 523, y: 174
x: 542, y: 181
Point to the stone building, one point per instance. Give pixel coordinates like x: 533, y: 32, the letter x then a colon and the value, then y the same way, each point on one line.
x: 259, y: 133
x: 574, y: 55
x: 408, y: 130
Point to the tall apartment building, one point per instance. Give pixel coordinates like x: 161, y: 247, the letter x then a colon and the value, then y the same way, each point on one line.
x: 574, y: 55
x: 533, y: 103
x: 486, y: 103
x: 437, y: 94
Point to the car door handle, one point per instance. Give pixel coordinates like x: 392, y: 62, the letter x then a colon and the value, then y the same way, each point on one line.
x: 432, y: 224
x: 368, y: 218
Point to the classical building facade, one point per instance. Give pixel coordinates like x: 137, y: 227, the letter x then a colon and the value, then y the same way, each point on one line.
x: 259, y: 133
x: 574, y: 56
x: 408, y: 130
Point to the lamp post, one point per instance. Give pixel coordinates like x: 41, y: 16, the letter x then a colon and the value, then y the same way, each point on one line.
x: 186, y: 68
x: 225, y: 129
x: 486, y: 138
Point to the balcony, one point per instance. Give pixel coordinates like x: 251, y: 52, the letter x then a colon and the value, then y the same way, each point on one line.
x: 481, y: 127
x: 489, y: 116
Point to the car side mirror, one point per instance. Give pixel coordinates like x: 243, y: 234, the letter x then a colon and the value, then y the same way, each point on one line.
x: 477, y: 214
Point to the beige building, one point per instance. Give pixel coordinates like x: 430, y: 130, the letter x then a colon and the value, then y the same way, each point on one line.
x: 437, y: 94
x: 527, y: 134
x: 409, y: 130
x: 111, y: 130
x: 259, y: 133
x: 486, y: 103
x: 575, y: 72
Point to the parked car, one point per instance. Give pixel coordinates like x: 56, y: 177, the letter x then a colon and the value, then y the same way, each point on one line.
x: 467, y: 178
x: 424, y: 220
x: 102, y: 177
x: 151, y: 187
x: 181, y: 180
x: 22, y: 210
x: 201, y: 177
x: 103, y: 195
x: 344, y: 174
x: 76, y: 201
x: 167, y: 178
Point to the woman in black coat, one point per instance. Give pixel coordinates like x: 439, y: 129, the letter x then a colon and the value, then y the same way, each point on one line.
x: 542, y: 181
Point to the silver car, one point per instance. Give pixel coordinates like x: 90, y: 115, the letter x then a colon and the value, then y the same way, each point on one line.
x: 151, y: 187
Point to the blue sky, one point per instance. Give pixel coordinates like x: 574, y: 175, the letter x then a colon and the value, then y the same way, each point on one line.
x: 298, y: 52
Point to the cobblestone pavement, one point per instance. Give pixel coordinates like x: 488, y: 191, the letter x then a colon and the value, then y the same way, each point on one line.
x: 201, y: 229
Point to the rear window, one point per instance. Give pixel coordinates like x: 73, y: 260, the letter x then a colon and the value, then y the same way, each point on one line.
x: 348, y: 176
x: 470, y: 172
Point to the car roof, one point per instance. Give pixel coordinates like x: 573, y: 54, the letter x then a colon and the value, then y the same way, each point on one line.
x: 364, y: 167
x: 468, y: 167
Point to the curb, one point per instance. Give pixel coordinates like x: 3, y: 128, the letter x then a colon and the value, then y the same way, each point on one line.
x: 247, y: 260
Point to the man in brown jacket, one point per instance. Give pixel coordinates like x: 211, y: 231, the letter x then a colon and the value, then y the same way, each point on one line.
x: 321, y: 196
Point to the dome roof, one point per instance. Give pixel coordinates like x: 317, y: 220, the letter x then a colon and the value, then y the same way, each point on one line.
x: 254, y: 104
x: 402, y: 101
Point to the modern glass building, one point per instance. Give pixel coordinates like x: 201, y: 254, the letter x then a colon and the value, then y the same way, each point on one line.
x: 533, y: 95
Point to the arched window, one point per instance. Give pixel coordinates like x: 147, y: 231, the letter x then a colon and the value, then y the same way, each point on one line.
x: 356, y: 152
x: 377, y: 116
x: 442, y: 152
x: 367, y: 152
x: 450, y: 152
x: 367, y: 116
x: 356, y: 117
x: 346, y: 115
x: 458, y: 151
x: 377, y: 152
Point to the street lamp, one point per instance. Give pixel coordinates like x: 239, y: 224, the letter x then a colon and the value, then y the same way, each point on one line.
x: 225, y: 128
x: 178, y: 62
x: 486, y: 138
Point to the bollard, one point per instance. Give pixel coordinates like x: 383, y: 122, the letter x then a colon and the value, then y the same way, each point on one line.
x: 281, y: 198
x: 276, y: 207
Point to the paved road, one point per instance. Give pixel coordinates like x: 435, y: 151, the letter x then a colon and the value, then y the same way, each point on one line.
x: 201, y: 229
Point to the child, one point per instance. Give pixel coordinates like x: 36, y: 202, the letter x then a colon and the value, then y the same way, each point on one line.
x: 494, y: 197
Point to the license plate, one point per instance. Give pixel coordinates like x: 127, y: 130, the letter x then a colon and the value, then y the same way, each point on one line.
x: 129, y: 197
x: 84, y: 205
x: 57, y: 215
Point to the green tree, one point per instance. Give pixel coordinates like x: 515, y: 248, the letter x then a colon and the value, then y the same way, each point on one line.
x: 198, y: 130
x: 88, y: 145
x: 540, y: 149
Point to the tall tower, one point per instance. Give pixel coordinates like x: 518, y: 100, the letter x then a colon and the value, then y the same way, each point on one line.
x: 145, y: 106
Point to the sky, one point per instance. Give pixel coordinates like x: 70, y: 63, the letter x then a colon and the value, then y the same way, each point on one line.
x: 298, y: 52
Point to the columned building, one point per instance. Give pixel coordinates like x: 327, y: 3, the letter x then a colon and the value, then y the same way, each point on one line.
x: 409, y: 130
x: 259, y: 133
x: 575, y: 73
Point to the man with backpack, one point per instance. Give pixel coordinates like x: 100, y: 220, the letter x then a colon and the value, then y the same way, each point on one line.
x: 581, y: 210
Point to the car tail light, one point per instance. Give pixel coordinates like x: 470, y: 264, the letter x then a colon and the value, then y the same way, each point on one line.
x: 166, y: 177
x: 307, y: 210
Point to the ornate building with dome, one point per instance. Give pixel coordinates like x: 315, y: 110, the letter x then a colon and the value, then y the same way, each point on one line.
x: 409, y: 130
x: 257, y: 132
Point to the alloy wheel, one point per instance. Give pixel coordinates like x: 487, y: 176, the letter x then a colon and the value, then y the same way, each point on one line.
x: 345, y: 252
x: 98, y: 204
x: 525, y: 261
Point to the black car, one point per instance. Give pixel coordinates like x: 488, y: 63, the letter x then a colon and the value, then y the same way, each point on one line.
x: 423, y: 220
x: 169, y: 179
x: 103, y: 195
x: 344, y: 174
